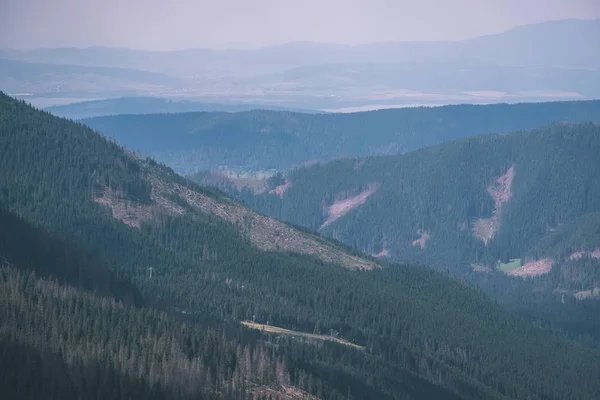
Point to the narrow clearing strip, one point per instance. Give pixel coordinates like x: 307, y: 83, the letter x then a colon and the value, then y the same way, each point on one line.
x: 283, y: 331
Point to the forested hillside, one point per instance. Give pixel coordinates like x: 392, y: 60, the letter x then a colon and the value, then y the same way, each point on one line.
x: 60, y: 342
x: 262, y: 140
x: 199, y: 256
x: 469, y: 206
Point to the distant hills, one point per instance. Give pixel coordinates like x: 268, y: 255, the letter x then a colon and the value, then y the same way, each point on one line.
x: 198, y: 256
x: 555, y: 60
x: 281, y: 140
x: 151, y: 105
x: 561, y: 43
x: 39, y: 79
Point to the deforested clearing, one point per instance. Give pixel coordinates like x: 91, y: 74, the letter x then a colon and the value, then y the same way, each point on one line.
x: 422, y: 240
x: 485, y: 228
x: 281, y: 189
x: 341, y: 207
x: 480, y: 268
x: 283, y: 331
x: 593, y: 293
x: 383, y: 253
x: 533, y: 268
x: 578, y: 254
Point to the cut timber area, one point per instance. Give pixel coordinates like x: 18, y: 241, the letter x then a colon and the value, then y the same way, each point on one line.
x: 341, y: 207
x: 281, y: 189
x: 383, y: 253
x: 533, y: 268
x: 588, y: 294
x: 285, y: 392
x: 485, y: 228
x: 577, y: 255
x: 283, y: 331
x: 422, y: 241
x: 480, y: 268
x: 265, y: 233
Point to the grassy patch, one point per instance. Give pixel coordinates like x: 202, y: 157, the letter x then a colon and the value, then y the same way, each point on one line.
x: 511, y: 265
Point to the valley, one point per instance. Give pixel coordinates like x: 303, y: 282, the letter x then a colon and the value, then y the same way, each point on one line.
x: 493, y: 209
x: 485, y: 195
x: 424, y: 334
x: 318, y: 200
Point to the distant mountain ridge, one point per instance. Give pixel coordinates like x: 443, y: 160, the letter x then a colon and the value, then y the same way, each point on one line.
x: 555, y: 60
x: 281, y: 140
x: 152, y: 105
x: 574, y: 36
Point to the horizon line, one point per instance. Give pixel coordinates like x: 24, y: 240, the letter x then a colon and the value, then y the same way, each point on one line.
x: 293, y: 42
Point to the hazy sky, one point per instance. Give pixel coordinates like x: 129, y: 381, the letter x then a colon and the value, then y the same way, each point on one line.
x: 177, y: 24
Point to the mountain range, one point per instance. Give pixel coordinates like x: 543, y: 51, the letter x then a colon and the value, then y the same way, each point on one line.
x: 151, y: 105
x: 189, y: 272
x: 262, y: 140
x: 555, y: 60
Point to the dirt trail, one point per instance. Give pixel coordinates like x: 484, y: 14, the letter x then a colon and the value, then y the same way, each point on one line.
x: 283, y: 331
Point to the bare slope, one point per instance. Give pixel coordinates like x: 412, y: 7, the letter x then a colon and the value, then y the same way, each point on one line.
x: 485, y: 229
x: 343, y: 206
x: 264, y: 232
